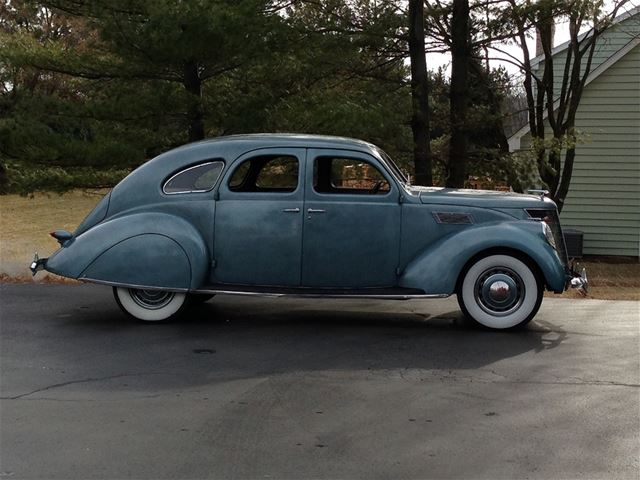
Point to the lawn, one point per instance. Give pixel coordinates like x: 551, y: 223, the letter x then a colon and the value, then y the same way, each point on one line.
x: 609, y: 280
x: 25, y: 223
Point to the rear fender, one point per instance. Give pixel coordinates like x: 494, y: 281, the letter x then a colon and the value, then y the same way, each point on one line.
x: 144, y: 249
x: 437, y: 269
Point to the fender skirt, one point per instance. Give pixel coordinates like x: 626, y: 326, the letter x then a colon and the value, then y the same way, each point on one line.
x: 146, y: 250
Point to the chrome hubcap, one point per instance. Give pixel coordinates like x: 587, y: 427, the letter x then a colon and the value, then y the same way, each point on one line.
x: 151, y: 299
x: 499, y: 291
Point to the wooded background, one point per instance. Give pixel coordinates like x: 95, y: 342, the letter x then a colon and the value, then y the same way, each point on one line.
x: 92, y: 89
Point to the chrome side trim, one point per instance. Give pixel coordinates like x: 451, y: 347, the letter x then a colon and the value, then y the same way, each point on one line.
x: 265, y: 294
x: 131, y: 285
x: 320, y: 295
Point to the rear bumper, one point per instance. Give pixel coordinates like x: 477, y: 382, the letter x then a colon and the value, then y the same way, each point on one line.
x: 37, y: 264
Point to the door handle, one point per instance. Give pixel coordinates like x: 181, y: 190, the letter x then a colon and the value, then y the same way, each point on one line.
x: 315, y: 210
x: 291, y: 210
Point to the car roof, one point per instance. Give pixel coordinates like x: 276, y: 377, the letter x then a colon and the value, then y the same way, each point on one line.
x: 151, y: 174
x: 282, y: 140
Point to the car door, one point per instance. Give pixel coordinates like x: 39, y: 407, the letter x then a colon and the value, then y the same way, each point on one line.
x: 258, y: 219
x: 351, y: 222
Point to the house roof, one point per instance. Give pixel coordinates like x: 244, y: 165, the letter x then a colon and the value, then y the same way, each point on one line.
x: 563, y: 46
x: 514, y: 140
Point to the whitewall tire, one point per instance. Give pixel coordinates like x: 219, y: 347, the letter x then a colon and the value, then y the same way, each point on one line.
x: 500, y: 292
x: 149, y: 305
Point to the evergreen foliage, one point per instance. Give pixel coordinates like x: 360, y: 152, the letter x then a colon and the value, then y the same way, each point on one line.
x: 90, y: 89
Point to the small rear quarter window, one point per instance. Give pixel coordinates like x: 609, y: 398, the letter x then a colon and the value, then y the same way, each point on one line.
x: 199, y: 178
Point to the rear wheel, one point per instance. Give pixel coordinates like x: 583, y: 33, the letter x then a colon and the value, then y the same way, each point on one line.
x: 500, y: 292
x: 149, y: 305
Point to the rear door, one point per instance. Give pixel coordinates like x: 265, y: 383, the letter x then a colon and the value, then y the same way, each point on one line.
x: 258, y: 219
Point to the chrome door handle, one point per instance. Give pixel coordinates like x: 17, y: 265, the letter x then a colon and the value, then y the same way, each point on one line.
x: 291, y: 210
x: 315, y: 210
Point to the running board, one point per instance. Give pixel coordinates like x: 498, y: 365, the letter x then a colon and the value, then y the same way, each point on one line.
x: 388, y: 293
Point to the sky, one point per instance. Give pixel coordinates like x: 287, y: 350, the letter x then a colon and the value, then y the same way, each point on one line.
x: 436, y: 60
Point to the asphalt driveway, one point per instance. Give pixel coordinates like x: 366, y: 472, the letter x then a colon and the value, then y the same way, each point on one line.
x: 271, y: 388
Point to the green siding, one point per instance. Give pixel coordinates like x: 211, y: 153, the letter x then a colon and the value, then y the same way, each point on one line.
x: 604, y: 198
x: 610, y: 157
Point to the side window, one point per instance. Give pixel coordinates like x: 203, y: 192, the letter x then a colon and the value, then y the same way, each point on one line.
x: 348, y: 175
x: 239, y: 176
x: 200, y: 178
x: 266, y: 173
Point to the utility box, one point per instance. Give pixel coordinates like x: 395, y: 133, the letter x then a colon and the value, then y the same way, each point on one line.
x: 573, y: 241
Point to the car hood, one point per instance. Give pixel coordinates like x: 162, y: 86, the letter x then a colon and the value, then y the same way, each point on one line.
x: 479, y: 198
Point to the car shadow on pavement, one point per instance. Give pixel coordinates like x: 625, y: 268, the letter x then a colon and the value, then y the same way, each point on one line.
x: 93, y: 345
x: 232, y: 339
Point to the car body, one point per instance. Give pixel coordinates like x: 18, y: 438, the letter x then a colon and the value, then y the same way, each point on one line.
x: 308, y: 215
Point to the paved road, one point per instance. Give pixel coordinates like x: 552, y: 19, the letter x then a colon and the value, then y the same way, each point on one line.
x: 314, y: 389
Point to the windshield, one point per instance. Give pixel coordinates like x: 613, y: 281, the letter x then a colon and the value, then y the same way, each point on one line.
x: 393, y: 167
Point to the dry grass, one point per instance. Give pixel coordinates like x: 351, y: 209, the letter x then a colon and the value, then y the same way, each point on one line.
x: 610, y: 280
x: 25, y: 223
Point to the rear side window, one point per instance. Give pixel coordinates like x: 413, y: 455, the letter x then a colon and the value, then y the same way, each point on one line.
x: 266, y: 173
x: 200, y: 178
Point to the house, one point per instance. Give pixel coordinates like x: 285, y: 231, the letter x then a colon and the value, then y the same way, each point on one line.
x: 604, y: 197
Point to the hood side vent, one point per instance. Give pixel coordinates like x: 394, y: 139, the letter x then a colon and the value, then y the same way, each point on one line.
x: 453, y: 218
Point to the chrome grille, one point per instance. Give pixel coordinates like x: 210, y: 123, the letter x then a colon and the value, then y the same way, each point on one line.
x: 550, y: 217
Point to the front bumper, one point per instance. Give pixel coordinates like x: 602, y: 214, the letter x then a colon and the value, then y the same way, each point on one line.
x: 579, y: 280
x: 37, y: 264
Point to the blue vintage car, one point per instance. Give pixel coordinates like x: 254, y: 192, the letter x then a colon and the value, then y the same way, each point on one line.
x: 312, y: 216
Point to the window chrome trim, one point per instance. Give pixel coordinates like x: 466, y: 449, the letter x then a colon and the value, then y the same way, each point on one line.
x: 182, y: 192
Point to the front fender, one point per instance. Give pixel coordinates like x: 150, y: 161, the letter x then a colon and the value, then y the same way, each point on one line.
x: 145, y: 249
x: 436, y: 270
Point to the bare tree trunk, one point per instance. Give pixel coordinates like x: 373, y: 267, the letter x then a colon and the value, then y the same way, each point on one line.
x: 195, y: 117
x: 567, y: 171
x: 419, y: 95
x: 459, y: 94
x: 559, y: 102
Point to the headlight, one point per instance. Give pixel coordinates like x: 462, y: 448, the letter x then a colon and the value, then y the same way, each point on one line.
x: 546, y: 230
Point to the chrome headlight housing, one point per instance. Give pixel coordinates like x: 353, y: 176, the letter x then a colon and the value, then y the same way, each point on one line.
x: 548, y: 233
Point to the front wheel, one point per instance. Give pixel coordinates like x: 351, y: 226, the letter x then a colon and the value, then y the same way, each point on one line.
x: 500, y: 291
x: 149, y: 305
